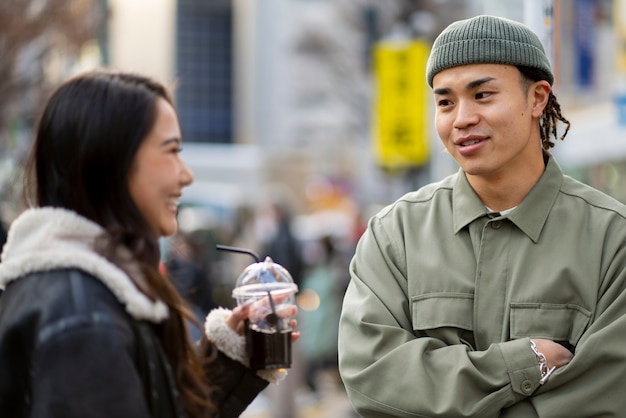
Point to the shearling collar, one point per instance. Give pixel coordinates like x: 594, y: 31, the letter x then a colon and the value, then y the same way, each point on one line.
x: 48, y: 238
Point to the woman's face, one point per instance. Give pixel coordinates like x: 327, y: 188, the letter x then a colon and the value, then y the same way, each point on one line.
x: 158, y: 174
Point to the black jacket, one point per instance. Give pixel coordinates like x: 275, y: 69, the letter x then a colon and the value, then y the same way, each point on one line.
x: 66, y: 326
x: 77, y: 337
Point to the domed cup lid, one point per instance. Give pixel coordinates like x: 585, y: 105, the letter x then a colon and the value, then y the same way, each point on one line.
x: 260, y: 277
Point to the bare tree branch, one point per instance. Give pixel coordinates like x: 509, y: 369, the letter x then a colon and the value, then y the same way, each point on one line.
x: 30, y: 32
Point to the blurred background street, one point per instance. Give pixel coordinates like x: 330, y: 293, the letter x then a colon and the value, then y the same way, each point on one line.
x: 300, y: 118
x: 330, y: 401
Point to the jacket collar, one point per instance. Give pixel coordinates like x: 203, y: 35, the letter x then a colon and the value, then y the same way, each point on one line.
x: 529, y: 216
x: 42, y: 239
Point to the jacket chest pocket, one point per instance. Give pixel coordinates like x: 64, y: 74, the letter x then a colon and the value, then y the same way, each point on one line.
x: 558, y: 322
x: 446, y: 316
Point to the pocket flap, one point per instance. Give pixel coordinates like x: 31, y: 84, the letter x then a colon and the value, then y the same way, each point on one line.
x: 557, y: 322
x: 436, y: 310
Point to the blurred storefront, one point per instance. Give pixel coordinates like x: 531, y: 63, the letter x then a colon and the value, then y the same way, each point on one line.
x: 283, y: 91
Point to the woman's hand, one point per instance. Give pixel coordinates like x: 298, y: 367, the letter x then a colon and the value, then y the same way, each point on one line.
x: 236, y: 319
x: 239, y: 314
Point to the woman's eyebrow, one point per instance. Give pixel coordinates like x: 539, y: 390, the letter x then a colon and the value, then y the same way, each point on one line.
x: 168, y: 141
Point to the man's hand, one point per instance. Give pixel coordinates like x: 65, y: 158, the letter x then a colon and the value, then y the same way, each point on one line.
x: 556, y: 355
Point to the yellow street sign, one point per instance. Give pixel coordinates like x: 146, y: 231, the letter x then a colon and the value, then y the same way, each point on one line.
x: 400, y: 110
x: 619, y: 24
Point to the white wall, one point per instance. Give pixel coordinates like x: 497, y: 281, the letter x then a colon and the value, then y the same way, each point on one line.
x: 142, y: 37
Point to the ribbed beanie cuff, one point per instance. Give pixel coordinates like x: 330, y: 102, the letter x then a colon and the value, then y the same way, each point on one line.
x: 487, y: 40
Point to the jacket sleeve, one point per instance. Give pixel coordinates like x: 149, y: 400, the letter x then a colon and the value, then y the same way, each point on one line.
x: 588, y: 385
x: 84, y: 368
x: 237, y: 386
x: 391, y: 370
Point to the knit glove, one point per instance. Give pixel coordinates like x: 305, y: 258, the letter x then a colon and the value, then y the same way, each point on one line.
x: 232, y: 344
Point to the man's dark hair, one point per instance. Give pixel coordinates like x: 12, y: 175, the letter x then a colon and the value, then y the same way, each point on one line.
x: 551, y: 115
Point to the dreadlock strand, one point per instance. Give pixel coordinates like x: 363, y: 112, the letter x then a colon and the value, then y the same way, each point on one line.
x: 549, y: 122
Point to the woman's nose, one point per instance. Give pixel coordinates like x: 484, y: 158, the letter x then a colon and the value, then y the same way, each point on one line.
x: 186, y: 175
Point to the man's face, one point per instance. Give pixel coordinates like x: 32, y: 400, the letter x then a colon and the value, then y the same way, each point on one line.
x: 486, y: 119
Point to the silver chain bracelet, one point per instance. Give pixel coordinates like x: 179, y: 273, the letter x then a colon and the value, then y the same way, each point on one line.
x: 543, y: 364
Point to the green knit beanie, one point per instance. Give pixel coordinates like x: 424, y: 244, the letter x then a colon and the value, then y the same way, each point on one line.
x: 487, y: 40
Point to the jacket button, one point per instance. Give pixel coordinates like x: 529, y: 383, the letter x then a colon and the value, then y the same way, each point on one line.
x: 527, y: 387
x: 496, y: 224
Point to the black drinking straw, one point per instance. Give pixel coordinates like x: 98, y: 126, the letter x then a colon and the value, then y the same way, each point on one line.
x: 238, y: 250
x: 273, y: 317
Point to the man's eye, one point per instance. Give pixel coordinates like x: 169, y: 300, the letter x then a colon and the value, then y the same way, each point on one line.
x: 444, y: 102
x: 483, y: 95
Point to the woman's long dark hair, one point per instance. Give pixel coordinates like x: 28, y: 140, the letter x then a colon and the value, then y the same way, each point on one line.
x: 87, y: 138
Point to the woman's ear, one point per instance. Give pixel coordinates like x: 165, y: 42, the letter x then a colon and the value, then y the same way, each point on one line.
x: 540, y: 94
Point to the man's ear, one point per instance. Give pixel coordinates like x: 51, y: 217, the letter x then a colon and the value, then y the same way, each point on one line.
x: 540, y: 94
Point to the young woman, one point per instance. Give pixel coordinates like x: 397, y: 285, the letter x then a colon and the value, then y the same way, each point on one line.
x: 88, y: 325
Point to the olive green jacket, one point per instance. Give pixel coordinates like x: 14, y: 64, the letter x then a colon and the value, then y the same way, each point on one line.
x: 444, y: 299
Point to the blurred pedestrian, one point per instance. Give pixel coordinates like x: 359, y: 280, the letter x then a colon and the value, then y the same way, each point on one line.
x: 3, y: 239
x: 244, y: 235
x: 88, y: 325
x: 323, y: 285
x: 499, y: 291
x: 191, y: 280
x: 277, y: 240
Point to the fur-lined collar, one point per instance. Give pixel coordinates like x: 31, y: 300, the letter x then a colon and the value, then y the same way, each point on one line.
x: 48, y: 238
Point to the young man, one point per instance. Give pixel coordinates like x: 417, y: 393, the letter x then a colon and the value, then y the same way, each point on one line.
x: 499, y: 291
